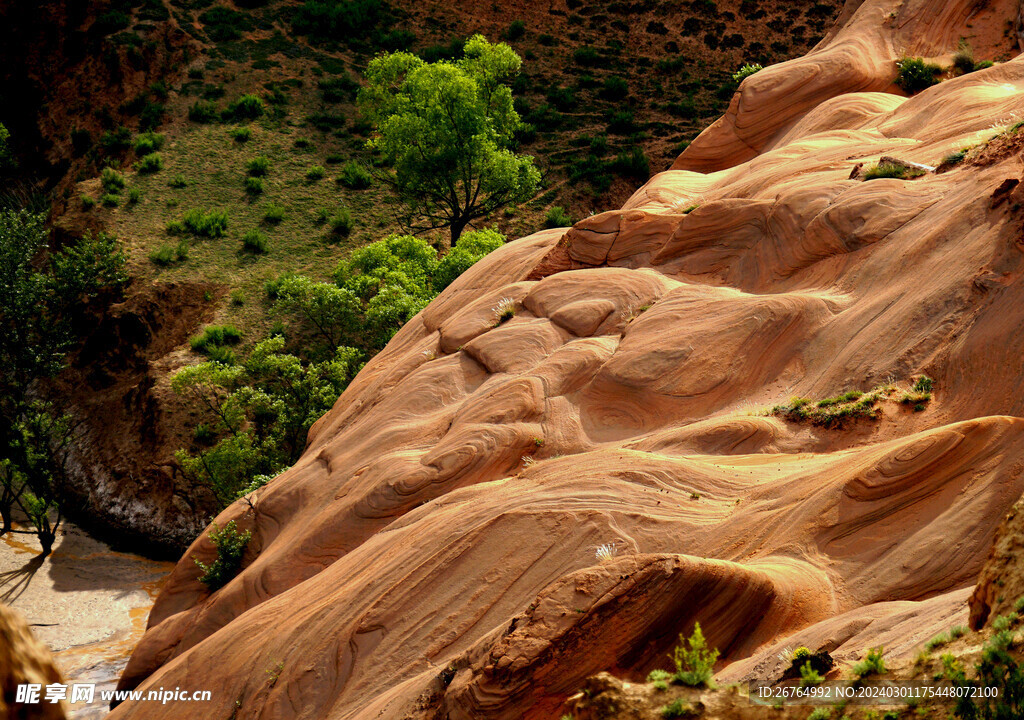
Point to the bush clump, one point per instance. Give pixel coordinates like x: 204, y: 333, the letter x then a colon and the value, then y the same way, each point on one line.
x: 342, y: 223
x: 316, y: 172
x: 112, y: 181
x: 203, y: 111
x: 258, y: 166
x: 254, y: 185
x: 255, y: 242
x: 247, y: 107
x: 242, y: 134
x: 210, y: 223
x: 746, y: 71
x: 230, y: 545
x: 273, y: 214
x: 557, y: 217
x: 215, y: 336
x: 151, y: 163
x: 354, y: 176
x: 914, y: 74
x: 148, y: 142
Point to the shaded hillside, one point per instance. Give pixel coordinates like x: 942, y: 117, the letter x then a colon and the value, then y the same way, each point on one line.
x: 769, y: 394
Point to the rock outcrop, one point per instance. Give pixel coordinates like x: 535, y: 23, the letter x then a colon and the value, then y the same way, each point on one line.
x: 23, y: 661
x: 494, y: 511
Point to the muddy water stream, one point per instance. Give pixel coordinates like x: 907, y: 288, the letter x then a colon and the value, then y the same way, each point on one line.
x: 88, y: 603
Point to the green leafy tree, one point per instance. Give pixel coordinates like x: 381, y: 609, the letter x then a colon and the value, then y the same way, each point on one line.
x: 446, y: 130
x: 260, y: 413
x: 40, y: 292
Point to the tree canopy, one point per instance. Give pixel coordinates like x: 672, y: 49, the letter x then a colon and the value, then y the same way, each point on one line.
x: 447, y: 131
x: 40, y: 292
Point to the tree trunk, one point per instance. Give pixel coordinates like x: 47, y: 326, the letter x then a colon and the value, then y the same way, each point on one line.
x: 457, y: 227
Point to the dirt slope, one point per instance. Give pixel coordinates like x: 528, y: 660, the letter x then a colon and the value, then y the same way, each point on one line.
x: 435, y: 552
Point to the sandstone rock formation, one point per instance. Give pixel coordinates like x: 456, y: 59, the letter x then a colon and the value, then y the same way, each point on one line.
x: 24, y: 660
x: 494, y: 511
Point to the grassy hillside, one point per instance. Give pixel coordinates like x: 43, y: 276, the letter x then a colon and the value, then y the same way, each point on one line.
x: 611, y: 93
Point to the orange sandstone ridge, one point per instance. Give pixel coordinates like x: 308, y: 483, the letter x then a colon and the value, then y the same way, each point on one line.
x: 434, y: 552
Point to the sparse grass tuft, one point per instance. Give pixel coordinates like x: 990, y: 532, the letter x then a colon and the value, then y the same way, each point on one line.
x: 891, y: 170
x: 242, y: 134
x: 253, y: 185
x: 315, y: 173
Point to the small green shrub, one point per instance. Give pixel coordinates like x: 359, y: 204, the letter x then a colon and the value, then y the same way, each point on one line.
x: 230, y: 545
x: 820, y: 713
x: 237, y: 297
x: 557, y: 217
x: 273, y: 214
x: 354, y: 176
x: 88, y: 203
x: 342, y: 223
x: 163, y: 255
x: 746, y: 71
x: 242, y: 134
x: 255, y: 242
x: 148, y: 142
x: 615, y: 88
x: 693, y: 659
x: 178, y: 181
x: 134, y: 195
x: 872, y: 664
x: 258, y: 166
x: 657, y: 675
x: 678, y: 708
x: 316, y: 172
x: 809, y: 677
x: 112, y: 181
x: 586, y: 56
x: 203, y: 111
x: 248, y: 106
x: 633, y: 164
x: 516, y: 29
x: 211, y: 224
x: 215, y: 336
x: 116, y: 140
x: 254, y: 185
x: 110, y: 200
x: 151, y: 163
x: 914, y: 74
x: 957, y: 631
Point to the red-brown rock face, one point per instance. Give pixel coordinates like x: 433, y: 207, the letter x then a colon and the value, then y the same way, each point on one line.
x: 435, y: 552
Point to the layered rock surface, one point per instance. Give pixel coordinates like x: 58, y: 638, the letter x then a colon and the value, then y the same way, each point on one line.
x: 494, y: 511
